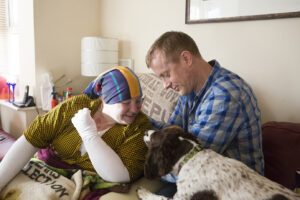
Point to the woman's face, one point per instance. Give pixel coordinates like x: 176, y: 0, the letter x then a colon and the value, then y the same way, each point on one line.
x: 124, y: 112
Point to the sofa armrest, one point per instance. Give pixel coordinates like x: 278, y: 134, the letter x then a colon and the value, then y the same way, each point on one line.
x: 281, y: 148
x: 151, y: 185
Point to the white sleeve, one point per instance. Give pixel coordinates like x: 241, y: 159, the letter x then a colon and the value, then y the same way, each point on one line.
x: 105, y: 160
x: 15, y: 159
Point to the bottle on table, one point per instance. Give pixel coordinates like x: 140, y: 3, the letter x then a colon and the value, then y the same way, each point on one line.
x: 69, y: 93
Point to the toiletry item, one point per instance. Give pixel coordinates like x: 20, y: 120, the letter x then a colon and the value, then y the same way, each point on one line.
x: 69, y: 92
x: 54, y: 100
x: 46, y: 92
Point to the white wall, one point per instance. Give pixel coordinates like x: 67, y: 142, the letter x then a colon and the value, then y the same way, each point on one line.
x: 59, y: 26
x: 265, y: 53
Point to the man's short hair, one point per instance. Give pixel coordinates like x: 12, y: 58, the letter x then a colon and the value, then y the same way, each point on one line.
x: 171, y: 44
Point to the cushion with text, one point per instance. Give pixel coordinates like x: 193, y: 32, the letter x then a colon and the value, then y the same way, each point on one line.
x: 159, y: 103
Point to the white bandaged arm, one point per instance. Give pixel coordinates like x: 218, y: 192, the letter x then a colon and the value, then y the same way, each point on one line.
x: 105, y: 160
x: 15, y: 159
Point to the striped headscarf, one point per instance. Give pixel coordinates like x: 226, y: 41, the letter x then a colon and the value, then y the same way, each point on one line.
x: 115, y: 85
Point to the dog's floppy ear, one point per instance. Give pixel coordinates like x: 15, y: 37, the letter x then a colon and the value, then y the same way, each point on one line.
x: 151, y: 168
x: 165, y: 150
x: 166, y: 158
x: 158, y: 161
x: 168, y: 153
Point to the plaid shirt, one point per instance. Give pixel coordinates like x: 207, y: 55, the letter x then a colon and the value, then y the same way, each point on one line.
x: 225, y: 116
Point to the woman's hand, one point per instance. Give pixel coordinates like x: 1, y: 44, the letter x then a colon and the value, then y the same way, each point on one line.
x: 85, y: 124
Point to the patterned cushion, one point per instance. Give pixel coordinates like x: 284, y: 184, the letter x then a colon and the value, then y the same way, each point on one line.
x: 159, y: 103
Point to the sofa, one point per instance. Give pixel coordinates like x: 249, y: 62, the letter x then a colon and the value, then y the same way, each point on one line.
x: 281, y: 140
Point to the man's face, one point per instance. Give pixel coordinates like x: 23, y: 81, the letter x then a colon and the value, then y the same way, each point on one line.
x: 174, y: 74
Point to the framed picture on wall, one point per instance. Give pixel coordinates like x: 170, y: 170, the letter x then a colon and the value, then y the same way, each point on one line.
x: 206, y: 11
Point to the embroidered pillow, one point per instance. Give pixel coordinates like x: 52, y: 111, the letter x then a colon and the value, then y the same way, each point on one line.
x: 159, y: 103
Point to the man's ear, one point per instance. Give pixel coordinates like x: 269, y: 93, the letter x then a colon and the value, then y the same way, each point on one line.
x: 187, y: 57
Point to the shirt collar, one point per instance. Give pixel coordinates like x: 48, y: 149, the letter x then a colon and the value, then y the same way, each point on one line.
x: 196, y: 96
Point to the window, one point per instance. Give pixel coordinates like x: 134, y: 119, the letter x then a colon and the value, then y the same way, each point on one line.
x: 9, y: 38
x: 9, y: 45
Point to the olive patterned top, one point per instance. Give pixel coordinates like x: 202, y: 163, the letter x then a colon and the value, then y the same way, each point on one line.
x: 55, y: 129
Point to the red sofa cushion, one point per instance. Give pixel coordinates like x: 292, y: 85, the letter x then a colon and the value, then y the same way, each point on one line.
x: 281, y: 148
x: 6, y: 141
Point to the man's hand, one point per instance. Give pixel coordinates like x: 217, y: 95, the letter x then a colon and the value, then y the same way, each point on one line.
x: 85, y: 124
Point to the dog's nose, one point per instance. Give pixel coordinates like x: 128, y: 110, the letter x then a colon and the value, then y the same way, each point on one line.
x: 146, y: 133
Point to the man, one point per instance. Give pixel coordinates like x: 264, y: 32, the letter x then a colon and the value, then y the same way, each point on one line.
x: 215, y: 104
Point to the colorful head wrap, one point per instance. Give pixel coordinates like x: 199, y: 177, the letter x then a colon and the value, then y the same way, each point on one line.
x: 115, y: 85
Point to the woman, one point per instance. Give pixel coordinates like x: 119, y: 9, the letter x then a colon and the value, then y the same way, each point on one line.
x: 100, y: 134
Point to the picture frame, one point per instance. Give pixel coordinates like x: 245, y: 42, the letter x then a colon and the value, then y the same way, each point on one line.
x: 208, y: 11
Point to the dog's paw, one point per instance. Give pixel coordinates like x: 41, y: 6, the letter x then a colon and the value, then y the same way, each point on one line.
x: 144, y: 194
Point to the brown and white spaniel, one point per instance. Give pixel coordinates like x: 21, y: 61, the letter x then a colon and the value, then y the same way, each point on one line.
x: 203, y: 173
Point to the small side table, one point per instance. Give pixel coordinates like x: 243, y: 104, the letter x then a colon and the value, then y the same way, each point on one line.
x: 15, y: 120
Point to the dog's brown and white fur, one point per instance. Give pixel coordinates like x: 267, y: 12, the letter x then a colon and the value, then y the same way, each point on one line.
x: 207, y: 175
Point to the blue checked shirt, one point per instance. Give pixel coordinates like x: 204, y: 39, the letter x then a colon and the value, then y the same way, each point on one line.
x: 225, y: 116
